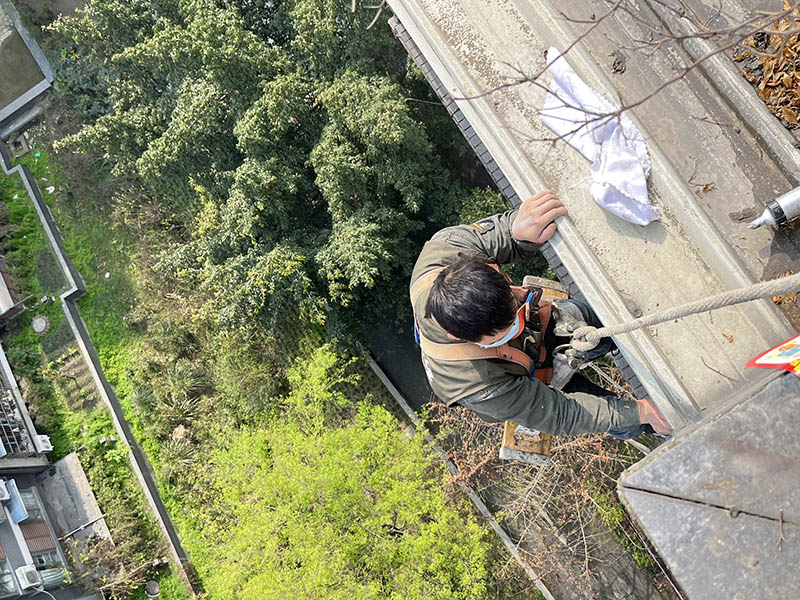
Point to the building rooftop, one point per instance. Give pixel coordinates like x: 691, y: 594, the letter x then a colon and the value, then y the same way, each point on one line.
x: 24, y: 71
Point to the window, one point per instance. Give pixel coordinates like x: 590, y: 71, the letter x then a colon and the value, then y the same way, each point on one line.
x: 7, y: 583
x: 31, y: 505
x: 46, y: 560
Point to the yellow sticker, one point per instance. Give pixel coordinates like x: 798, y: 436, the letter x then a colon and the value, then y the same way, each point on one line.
x: 483, y: 226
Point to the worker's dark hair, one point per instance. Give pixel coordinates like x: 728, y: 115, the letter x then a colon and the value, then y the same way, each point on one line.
x: 470, y: 299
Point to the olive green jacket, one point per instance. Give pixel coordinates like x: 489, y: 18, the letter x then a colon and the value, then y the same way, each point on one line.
x: 496, y: 389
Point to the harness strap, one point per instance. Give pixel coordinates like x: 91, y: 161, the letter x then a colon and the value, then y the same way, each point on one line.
x: 466, y: 351
x: 545, y: 313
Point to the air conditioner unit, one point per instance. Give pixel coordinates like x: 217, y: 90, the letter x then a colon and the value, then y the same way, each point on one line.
x: 28, y: 577
x: 43, y: 444
x: 5, y: 496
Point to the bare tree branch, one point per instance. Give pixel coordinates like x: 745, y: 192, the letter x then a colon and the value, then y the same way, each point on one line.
x: 656, y: 35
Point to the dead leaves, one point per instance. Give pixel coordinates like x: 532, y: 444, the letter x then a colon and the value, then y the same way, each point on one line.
x: 702, y: 188
x: 774, y: 66
x: 785, y: 298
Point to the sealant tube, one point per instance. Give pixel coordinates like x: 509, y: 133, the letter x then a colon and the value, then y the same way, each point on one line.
x: 779, y: 211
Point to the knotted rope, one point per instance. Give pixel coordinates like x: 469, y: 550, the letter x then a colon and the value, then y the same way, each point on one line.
x: 586, y: 338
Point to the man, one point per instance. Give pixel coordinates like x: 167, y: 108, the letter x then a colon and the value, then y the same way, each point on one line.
x: 463, y: 302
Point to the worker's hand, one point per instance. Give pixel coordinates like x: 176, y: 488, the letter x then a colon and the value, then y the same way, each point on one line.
x: 648, y: 413
x: 535, y: 221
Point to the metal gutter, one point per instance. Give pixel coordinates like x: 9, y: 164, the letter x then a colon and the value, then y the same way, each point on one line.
x: 739, y: 94
x: 461, y: 40
x: 704, y: 235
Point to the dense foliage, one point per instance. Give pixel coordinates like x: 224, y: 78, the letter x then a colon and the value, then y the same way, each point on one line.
x: 281, y: 151
x: 257, y: 178
x: 304, y: 508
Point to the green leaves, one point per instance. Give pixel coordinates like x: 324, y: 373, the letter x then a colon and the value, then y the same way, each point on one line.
x: 178, y: 77
x: 330, y: 39
x: 285, y: 117
x: 258, y: 290
x: 372, y: 140
x: 195, y: 145
x: 367, y: 246
x: 269, y: 136
x: 353, y: 512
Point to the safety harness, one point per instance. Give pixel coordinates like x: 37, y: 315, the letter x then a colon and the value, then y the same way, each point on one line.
x: 461, y: 351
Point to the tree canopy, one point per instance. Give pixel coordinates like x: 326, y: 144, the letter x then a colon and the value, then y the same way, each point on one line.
x: 304, y: 509
x: 283, y: 145
x: 277, y: 174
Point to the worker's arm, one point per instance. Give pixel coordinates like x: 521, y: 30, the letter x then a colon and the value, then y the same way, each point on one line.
x: 509, y: 236
x: 534, y: 405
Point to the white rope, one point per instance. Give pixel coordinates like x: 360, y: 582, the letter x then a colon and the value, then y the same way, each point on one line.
x: 586, y: 338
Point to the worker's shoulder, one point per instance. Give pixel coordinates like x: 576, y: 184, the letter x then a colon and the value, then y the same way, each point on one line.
x: 435, y: 254
x: 442, y: 249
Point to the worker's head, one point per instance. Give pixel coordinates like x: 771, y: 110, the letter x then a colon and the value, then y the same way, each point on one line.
x: 472, y: 301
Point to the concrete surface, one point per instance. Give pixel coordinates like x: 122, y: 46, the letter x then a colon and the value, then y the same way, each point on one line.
x: 716, y: 503
x: 70, y: 502
x: 688, y: 367
x: 18, y: 69
x: 711, y: 124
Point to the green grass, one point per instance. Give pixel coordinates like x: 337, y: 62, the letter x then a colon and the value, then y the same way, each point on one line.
x: 86, y: 239
x: 170, y: 588
x: 95, y: 250
x: 102, y: 257
x: 23, y: 246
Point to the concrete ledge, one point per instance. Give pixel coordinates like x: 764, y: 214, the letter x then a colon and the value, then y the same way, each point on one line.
x: 32, y: 94
x: 20, y: 119
x: 9, y: 8
x: 26, y: 98
x: 716, y: 500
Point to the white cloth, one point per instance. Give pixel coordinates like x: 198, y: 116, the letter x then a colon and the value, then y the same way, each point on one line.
x: 620, y: 163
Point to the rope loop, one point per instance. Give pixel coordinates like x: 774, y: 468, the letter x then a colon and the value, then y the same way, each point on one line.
x: 580, y: 338
x: 587, y: 338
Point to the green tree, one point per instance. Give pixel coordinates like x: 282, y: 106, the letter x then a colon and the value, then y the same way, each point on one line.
x: 269, y: 19
x: 178, y: 78
x: 354, y: 512
x: 286, y: 152
x: 330, y: 38
x: 376, y: 170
